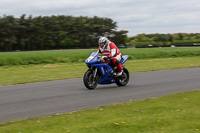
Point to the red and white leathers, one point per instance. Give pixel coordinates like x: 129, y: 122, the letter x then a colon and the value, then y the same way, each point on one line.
x: 114, y: 53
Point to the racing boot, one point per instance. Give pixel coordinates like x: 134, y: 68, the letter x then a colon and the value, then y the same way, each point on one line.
x: 120, y: 73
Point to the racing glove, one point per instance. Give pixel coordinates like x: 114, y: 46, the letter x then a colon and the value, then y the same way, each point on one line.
x: 107, y: 57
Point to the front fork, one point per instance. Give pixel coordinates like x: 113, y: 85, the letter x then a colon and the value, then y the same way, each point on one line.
x: 94, y: 72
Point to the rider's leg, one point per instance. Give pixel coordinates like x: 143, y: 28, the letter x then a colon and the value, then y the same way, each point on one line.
x: 117, y: 63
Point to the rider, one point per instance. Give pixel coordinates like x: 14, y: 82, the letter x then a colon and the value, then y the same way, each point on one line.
x: 110, y: 51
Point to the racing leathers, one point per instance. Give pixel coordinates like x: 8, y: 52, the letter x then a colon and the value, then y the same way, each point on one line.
x: 112, y: 52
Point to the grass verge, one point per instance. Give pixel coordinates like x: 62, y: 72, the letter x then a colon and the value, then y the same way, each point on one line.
x: 79, y: 55
x: 46, y: 72
x: 178, y: 113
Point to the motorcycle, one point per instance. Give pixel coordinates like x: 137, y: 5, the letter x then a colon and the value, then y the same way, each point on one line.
x: 103, y: 73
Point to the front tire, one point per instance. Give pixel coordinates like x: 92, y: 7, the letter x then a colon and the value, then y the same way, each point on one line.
x: 123, y: 79
x: 89, y: 81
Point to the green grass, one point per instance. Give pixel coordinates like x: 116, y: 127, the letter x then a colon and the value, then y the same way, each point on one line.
x: 178, y: 113
x: 69, y: 56
x: 43, y: 57
x: 46, y: 72
x: 152, y: 53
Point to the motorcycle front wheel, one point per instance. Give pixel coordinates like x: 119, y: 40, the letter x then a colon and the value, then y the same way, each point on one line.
x: 123, y: 79
x: 89, y: 80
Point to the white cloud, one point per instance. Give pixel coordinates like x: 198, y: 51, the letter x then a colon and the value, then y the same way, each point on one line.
x: 136, y: 16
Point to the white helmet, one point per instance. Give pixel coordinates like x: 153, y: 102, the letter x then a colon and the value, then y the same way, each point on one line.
x: 103, y: 42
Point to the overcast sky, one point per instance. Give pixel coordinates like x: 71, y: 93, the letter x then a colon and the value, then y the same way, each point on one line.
x: 136, y: 16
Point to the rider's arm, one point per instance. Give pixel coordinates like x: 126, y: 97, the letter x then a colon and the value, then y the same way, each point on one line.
x: 99, y: 50
x: 113, y: 52
x: 113, y: 49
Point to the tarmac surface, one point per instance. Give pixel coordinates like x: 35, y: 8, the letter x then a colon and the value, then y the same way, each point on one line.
x: 29, y: 100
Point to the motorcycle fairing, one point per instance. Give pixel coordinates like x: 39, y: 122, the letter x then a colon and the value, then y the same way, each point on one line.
x: 106, y: 73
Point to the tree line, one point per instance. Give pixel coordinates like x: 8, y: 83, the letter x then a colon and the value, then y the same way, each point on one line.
x: 144, y: 40
x: 56, y: 32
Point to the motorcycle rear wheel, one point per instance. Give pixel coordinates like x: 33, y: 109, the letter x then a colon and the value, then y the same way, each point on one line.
x: 89, y: 81
x: 123, y: 79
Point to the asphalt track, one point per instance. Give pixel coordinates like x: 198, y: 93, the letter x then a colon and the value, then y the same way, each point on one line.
x: 45, y: 98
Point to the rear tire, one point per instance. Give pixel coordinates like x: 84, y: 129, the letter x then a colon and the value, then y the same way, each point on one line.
x: 123, y: 79
x: 89, y: 80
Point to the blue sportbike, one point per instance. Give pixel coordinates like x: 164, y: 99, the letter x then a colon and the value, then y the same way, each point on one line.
x: 104, y: 73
